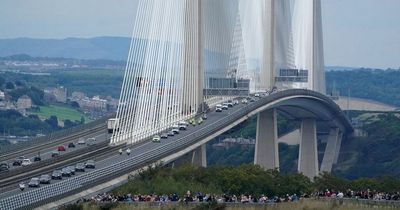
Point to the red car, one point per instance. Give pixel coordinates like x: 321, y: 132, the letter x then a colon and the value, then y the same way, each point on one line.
x: 61, y: 148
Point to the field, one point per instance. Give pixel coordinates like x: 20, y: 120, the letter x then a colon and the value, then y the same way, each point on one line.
x: 302, y: 205
x: 61, y: 112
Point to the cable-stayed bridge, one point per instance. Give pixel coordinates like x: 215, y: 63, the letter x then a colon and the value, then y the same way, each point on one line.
x: 192, y: 56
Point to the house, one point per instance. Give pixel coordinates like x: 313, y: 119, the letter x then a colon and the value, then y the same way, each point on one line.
x: 24, y: 102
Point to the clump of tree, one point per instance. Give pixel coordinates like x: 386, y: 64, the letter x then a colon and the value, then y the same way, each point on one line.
x: 229, y: 180
x: 14, y: 123
x: 251, y: 179
x: 33, y: 92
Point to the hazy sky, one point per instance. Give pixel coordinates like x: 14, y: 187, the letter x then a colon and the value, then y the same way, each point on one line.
x: 356, y: 32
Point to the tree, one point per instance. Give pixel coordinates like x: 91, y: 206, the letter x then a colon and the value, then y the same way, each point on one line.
x: 20, y: 83
x: 10, y: 85
x: 2, y: 82
x: 75, y: 104
x: 52, y: 121
x: 82, y: 120
x: 69, y: 124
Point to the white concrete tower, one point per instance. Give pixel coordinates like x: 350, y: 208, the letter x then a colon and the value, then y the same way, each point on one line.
x: 193, y: 56
x: 268, y: 45
x: 308, y: 42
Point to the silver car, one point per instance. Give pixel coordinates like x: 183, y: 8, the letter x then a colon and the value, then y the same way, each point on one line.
x: 44, y: 179
x: 34, y: 182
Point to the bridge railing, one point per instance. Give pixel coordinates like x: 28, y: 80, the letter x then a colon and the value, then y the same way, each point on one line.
x: 42, y: 195
x: 37, y: 197
x: 4, y: 150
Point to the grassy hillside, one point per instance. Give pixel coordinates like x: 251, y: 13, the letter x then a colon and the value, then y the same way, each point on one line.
x: 372, y: 156
x: 378, y: 85
x: 61, y: 112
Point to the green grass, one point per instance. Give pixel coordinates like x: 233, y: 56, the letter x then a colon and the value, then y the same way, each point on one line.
x: 61, y: 112
x: 306, y: 204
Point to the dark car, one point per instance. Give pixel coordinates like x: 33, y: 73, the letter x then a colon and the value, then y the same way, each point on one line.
x: 80, y: 167
x: 37, y: 158
x: 71, y: 145
x: 72, y: 169
x: 44, y: 179
x: 18, y: 161
x: 34, y: 182
x: 90, y: 164
x: 4, y: 167
x: 66, y: 172
x: 56, y: 174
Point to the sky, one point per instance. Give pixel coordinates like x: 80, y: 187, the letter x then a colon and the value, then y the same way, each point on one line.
x: 357, y: 33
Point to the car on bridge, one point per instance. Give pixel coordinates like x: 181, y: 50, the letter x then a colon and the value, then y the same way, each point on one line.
x: 200, y: 121
x: 156, y: 139
x: 72, y: 169
x: 183, y: 123
x: 37, y: 159
x: 71, y: 145
x: 4, y: 167
x: 34, y: 182
x: 26, y: 162
x: 44, y: 179
x: 182, y: 127
x: 228, y: 104
x: 18, y: 161
x: 56, y: 174
x: 171, y: 133
x: 244, y: 101
x: 66, y: 172
x: 90, y: 164
x: 61, y: 148
x: 175, y: 131
x: 164, y: 136
x: 80, y: 167
x: 91, y: 141
x: 81, y: 141
x: 55, y: 154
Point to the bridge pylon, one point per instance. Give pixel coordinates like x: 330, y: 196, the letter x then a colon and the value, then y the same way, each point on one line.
x: 266, y: 150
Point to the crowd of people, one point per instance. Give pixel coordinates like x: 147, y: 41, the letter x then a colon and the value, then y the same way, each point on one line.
x: 199, y: 197
x: 189, y: 198
x: 363, y: 194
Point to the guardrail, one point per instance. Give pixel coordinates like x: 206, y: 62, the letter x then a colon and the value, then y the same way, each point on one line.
x: 6, y: 150
x: 362, y: 202
x: 15, y: 176
x: 49, y: 193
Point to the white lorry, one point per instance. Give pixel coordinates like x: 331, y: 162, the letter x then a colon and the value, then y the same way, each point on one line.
x: 111, y: 123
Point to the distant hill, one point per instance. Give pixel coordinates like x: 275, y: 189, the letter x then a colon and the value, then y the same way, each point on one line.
x: 110, y: 48
x: 339, y: 68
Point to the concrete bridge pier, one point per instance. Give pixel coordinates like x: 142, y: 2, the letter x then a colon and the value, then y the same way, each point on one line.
x: 197, y: 157
x: 330, y: 150
x: 266, y: 151
x: 337, y: 149
x: 308, y: 154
